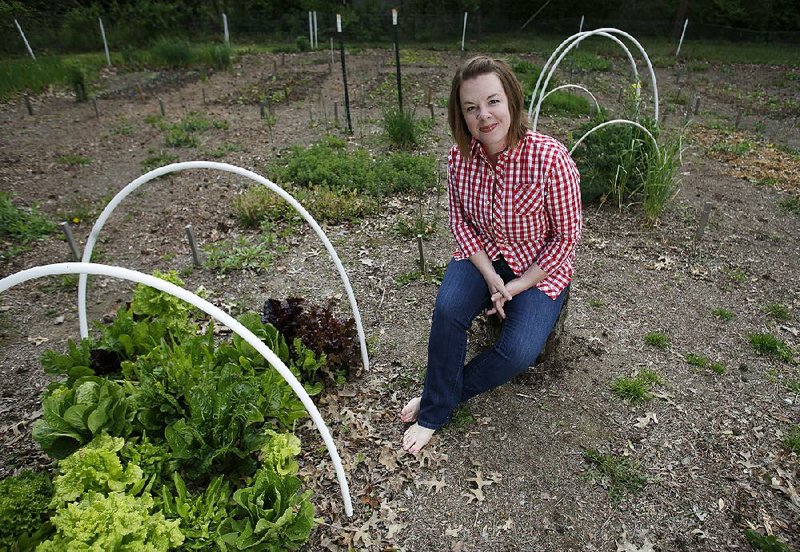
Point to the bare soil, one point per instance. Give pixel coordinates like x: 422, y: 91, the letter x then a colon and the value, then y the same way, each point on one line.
x: 509, y: 473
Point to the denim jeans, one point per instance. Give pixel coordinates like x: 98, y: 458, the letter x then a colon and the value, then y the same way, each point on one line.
x: 530, y: 317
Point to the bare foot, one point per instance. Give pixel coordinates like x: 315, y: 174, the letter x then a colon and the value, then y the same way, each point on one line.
x: 415, y: 438
x: 410, y: 411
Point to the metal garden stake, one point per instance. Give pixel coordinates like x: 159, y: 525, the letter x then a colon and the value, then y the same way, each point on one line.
x: 397, y: 60
x: 344, y: 73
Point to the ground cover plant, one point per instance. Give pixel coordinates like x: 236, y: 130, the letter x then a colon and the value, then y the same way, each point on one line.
x: 165, y: 437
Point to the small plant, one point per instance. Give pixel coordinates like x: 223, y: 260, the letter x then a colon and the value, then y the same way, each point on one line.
x: 20, y: 226
x: 769, y: 345
x: 180, y: 138
x: 73, y: 160
x: 657, y: 339
x: 564, y: 103
x: 401, y: 129
x: 78, y: 79
x: 792, y: 440
x: 778, y: 311
x: 597, y: 304
x: 617, y: 474
x: 417, y: 226
x: 703, y: 362
x: 765, y: 543
x: 241, y: 254
x: 171, y: 52
x: 791, y: 204
x: 461, y: 418
x: 24, y: 500
x: 158, y: 159
x: 723, y: 314
x: 635, y: 390
x: 660, y: 180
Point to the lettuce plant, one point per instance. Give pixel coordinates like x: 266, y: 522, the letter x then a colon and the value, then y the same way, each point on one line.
x: 200, y: 516
x: 116, y: 521
x: 24, y: 500
x: 73, y: 416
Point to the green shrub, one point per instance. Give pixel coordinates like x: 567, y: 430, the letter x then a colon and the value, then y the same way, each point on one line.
x: 78, y: 80
x: 657, y: 339
x: 564, y: 103
x: 302, y: 43
x: 24, y: 501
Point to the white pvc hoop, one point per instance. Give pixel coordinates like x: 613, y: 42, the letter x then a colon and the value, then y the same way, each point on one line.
x: 550, y: 70
x: 130, y: 188
x: 618, y: 122
x: 217, y: 313
x: 577, y: 39
x: 557, y: 88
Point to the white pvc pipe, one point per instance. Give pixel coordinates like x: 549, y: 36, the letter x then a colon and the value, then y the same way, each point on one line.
x: 617, y: 122
x: 316, y: 34
x: 25, y: 40
x: 577, y: 39
x: 464, y: 31
x: 548, y: 69
x: 130, y: 188
x: 105, y: 42
x: 596, y: 105
x: 311, y: 29
x: 225, y: 30
x: 218, y: 314
x: 678, y: 51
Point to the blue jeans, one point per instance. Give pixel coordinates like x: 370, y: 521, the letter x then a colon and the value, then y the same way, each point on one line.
x: 530, y: 317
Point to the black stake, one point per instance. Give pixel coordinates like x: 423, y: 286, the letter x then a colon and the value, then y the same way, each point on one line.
x: 204, y: 95
x: 701, y: 228
x: 344, y: 73
x: 397, y: 60
x: 421, y: 254
x: 193, y: 245
x: 28, y: 104
x: 161, y: 106
x: 67, y: 229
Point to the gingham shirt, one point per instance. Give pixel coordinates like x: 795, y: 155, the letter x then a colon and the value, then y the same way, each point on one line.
x: 528, y: 208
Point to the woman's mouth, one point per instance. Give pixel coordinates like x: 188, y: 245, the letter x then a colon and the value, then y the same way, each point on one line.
x: 488, y: 128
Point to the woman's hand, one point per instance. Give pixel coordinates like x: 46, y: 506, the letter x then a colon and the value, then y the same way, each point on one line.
x: 512, y: 288
x: 496, y: 286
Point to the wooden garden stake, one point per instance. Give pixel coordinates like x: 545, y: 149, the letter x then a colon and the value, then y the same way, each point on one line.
x: 67, y: 230
x: 203, y: 90
x: 344, y: 73
x: 96, y: 111
x: 397, y: 61
x: 283, y: 59
x: 28, y: 104
x: 161, y: 106
x: 421, y: 254
x: 701, y: 227
x: 696, y: 104
x: 738, y: 119
x: 141, y: 92
x: 336, y: 113
x: 193, y: 245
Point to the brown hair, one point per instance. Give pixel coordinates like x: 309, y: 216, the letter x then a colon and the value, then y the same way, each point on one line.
x: 475, y: 67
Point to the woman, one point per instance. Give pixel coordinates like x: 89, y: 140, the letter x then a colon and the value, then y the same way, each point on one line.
x: 515, y: 213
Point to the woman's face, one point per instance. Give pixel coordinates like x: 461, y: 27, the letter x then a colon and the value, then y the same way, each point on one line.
x: 485, y: 108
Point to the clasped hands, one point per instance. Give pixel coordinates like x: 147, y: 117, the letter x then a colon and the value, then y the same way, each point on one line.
x: 502, y: 292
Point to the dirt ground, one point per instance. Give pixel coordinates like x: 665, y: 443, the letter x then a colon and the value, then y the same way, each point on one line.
x: 509, y: 473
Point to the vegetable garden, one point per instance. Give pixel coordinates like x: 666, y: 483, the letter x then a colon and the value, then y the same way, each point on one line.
x: 669, y: 421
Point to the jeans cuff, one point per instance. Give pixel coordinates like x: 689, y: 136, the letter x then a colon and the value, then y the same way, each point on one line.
x: 427, y: 425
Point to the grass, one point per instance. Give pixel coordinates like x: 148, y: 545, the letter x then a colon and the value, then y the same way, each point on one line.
x: 158, y: 159
x: 660, y: 182
x: 73, y: 160
x: 656, y: 339
x: 792, y: 440
x: 765, y: 543
x: 597, y: 304
x: 635, y: 390
x: 182, y: 134
x: 769, y: 345
x: 703, y: 362
x: 402, y: 130
x: 778, y: 311
x: 434, y: 274
x: 417, y: 226
x: 790, y: 205
x: 617, y: 474
x: 723, y: 314
x: 461, y: 418
x: 20, y: 226
x: 565, y: 103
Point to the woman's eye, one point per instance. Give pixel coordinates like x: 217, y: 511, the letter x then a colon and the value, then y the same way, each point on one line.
x: 495, y: 101
x: 470, y: 108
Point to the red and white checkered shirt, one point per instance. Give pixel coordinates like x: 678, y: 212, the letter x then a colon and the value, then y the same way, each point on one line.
x: 528, y: 208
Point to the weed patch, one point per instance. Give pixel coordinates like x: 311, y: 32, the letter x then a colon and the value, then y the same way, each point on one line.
x: 402, y: 130
x: 700, y: 361
x: 778, y: 311
x: 790, y: 205
x: 158, y: 159
x: 241, y: 254
x: 657, y: 339
x: 617, y: 474
x: 635, y: 390
x: 20, y: 226
x: 73, y: 160
x: 792, y: 440
x: 769, y: 345
x: 723, y: 314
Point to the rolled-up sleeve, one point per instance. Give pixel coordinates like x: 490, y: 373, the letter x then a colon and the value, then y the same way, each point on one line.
x: 563, y: 206
x: 465, y: 235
